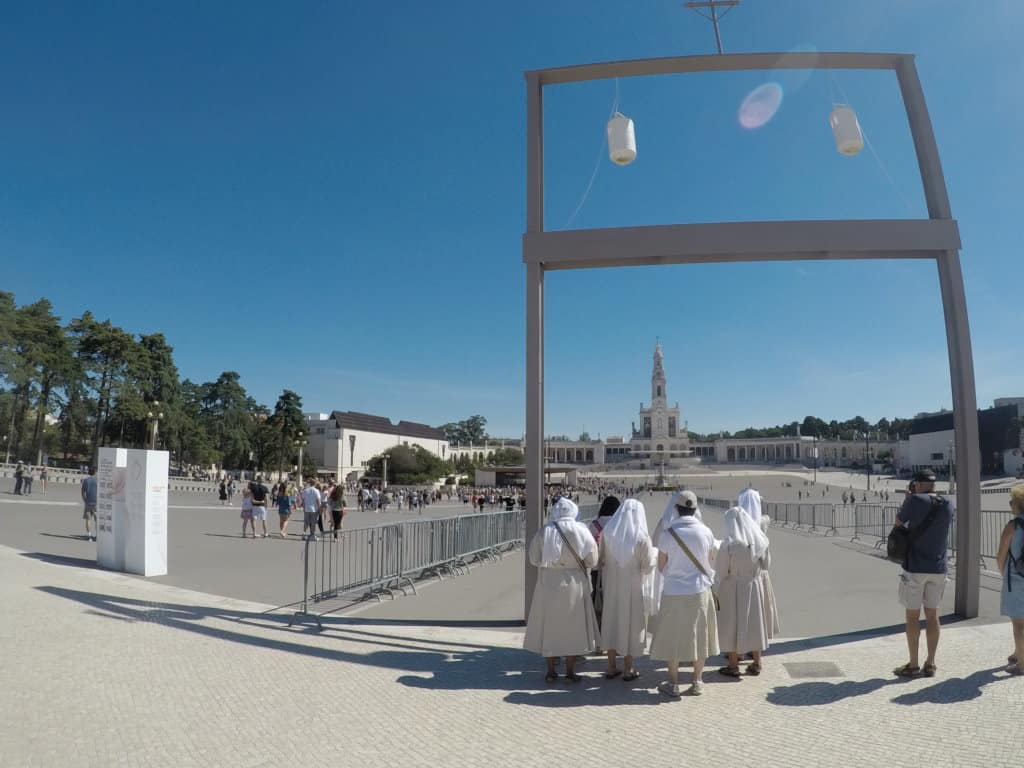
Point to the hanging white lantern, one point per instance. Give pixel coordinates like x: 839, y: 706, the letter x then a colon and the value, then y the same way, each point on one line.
x: 621, y: 140
x: 846, y: 129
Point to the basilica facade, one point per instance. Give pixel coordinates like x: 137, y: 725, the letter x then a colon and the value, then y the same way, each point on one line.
x: 661, y: 436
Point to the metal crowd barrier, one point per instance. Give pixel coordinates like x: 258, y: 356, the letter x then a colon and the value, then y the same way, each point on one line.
x: 873, y: 520
x: 863, y: 520
x: 386, y: 559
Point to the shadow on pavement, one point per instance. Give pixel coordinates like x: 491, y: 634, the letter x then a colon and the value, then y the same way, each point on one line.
x: 75, y: 562
x: 954, y: 690
x: 464, y: 667
x: 76, y: 537
x: 822, y: 693
x: 826, y: 641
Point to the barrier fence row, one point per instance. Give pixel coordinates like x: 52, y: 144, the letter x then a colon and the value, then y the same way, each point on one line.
x: 386, y: 559
x: 860, y: 521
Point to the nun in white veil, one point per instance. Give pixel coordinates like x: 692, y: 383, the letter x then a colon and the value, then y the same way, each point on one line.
x: 750, y: 500
x: 628, y: 561
x: 742, y: 616
x: 562, y: 621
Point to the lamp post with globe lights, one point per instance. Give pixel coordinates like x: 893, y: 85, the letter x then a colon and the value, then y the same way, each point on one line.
x: 153, y: 418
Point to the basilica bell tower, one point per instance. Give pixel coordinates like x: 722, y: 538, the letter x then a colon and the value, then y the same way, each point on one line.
x: 658, y: 397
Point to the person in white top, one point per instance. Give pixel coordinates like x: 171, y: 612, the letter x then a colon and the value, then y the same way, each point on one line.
x: 743, y: 617
x: 311, y: 500
x: 627, y: 562
x: 687, y: 626
x: 562, y: 621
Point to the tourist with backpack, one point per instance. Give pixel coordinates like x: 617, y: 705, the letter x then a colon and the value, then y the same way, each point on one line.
x: 923, y: 522
x: 1011, y: 565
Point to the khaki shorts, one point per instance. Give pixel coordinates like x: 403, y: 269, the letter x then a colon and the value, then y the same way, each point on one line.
x: 917, y: 589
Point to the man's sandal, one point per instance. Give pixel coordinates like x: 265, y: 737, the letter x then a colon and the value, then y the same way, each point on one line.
x: 754, y: 669
x: 907, y: 670
x: 928, y: 670
x: 630, y: 676
x: 729, y: 671
x: 550, y: 677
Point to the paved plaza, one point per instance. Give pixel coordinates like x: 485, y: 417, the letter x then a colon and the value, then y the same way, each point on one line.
x: 102, y: 669
x: 197, y: 668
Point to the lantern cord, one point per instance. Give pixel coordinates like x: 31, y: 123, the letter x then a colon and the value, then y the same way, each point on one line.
x: 597, y: 163
x: 867, y: 142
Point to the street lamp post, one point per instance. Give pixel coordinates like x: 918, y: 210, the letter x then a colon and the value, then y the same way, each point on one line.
x: 154, y: 417
x: 300, y: 442
x: 384, y: 474
x: 352, y: 452
x: 867, y: 456
x: 815, y: 458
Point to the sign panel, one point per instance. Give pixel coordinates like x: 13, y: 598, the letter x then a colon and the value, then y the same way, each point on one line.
x: 132, y: 511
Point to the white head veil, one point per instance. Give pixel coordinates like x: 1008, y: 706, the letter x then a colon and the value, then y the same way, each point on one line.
x: 627, y: 526
x: 740, y: 528
x: 563, y: 514
x: 671, y: 513
x: 750, y: 500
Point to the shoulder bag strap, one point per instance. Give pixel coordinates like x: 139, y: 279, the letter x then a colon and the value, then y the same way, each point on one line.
x: 686, y: 549
x: 572, y: 550
x: 696, y: 562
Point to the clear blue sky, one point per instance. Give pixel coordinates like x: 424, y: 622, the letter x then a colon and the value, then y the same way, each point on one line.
x: 329, y: 197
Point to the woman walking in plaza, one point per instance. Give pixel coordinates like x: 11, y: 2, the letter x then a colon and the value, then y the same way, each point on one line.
x: 627, y: 563
x: 44, y: 476
x: 562, y: 621
x: 222, y: 492
x: 284, y: 508
x: 687, y: 628
x: 1011, y: 563
x: 247, y: 512
x: 742, y: 618
x: 337, y: 504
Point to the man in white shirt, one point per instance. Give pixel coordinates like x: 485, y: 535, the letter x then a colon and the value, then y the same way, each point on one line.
x: 686, y: 630
x: 311, y: 500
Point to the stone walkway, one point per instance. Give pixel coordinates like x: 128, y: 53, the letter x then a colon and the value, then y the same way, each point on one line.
x: 101, y: 669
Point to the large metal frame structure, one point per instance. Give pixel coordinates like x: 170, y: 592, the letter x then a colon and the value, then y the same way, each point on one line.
x: 936, y: 238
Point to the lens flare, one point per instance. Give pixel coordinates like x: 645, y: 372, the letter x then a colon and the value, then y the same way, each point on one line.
x: 760, y: 106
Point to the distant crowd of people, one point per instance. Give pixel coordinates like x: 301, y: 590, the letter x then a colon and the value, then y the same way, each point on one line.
x: 25, y: 475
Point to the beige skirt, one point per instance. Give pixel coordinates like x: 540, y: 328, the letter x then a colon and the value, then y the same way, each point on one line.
x: 687, y: 628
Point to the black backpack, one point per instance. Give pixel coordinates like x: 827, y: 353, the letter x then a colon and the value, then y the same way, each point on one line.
x: 1016, y: 563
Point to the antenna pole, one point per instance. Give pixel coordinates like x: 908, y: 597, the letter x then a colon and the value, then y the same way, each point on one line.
x: 714, y: 18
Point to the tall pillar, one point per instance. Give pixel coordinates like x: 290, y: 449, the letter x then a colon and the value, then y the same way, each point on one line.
x: 958, y: 341
x: 534, y: 454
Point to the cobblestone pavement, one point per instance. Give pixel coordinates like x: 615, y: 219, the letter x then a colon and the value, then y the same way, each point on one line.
x: 101, y: 669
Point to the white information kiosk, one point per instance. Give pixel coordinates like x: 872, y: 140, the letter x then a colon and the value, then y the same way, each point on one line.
x: 131, y: 510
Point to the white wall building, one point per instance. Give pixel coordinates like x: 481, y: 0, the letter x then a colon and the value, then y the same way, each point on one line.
x: 343, y: 442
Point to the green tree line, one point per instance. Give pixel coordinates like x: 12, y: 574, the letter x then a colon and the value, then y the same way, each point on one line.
x: 67, y: 389
x: 812, y: 426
